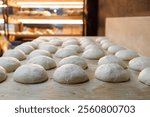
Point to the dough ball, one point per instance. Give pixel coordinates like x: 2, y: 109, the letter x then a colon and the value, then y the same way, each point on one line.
x: 144, y: 76
x: 3, y: 75
x: 115, y: 48
x: 107, y: 45
x: 104, y: 41
x: 76, y: 48
x: 111, y: 59
x: 70, y: 74
x: 38, y: 53
x: 74, y: 60
x: 56, y: 42
x: 93, y: 54
x: 30, y: 73
x: 20, y: 55
x: 111, y: 73
x: 70, y: 42
x: 34, y: 45
x: 139, y: 63
x: 94, y: 46
x: 49, y: 48
x: 38, y: 41
x: 62, y: 53
x: 86, y: 43
x: 99, y: 39
x: 25, y: 48
x: 126, y: 54
x: 46, y: 62
x: 10, y: 64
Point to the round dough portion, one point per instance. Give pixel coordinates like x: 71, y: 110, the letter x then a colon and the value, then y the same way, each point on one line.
x: 62, y: 53
x: 94, y: 46
x: 144, y: 76
x: 49, y: 48
x: 75, y: 48
x: 139, y: 63
x: 111, y: 73
x: 3, y: 75
x: 25, y: 48
x: 35, y: 46
x: 46, y: 62
x: 70, y: 42
x: 93, y: 54
x: 56, y: 42
x: 106, y: 45
x: 111, y: 59
x: 10, y: 64
x: 74, y: 60
x: 30, y: 74
x: 126, y: 54
x: 18, y: 54
x: 70, y: 74
x: 38, y: 53
x: 115, y: 48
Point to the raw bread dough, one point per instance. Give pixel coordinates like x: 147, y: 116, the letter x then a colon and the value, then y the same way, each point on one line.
x: 46, y: 62
x: 3, y: 75
x: 70, y: 42
x: 25, y: 48
x: 62, y: 53
x: 94, y: 46
x: 104, y: 41
x: 49, y: 48
x: 126, y: 54
x: 139, y: 63
x: 34, y: 45
x: 74, y: 60
x: 86, y: 43
x: 70, y: 74
x: 144, y: 76
x: 30, y: 73
x: 111, y: 59
x: 115, y: 48
x: 38, y: 41
x: 10, y: 64
x: 20, y: 55
x: 93, y: 54
x: 38, y: 53
x: 74, y: 47
x: 111, y: 73
x: 56, y: 42
x: 106, y: 45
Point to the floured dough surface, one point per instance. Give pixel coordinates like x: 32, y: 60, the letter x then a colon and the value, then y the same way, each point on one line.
x: 62, y: 53
x: 74, y: 47
x: 46, y: 62
x: 70, y: 74
x: 126, y: 54
x: 38, y: 53
x: 18, y: 54
x: 139, y: 63
x: 144, y: 76
x: 10, y: 64
x: 74, y: 60
x: 30, y: 74
x: 70, y: 42
x: 3, y: 75
x: 115, y: 48
x: 111, y: 59
x: 49, y: 48
x: 93, y: 54
x: 111, y: 73
x: 25, y: 48
x: 56, y: 42
x: 34, y: 45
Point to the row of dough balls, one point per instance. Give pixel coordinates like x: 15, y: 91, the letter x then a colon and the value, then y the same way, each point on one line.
x: 136, y: 62
x: 117, y: 50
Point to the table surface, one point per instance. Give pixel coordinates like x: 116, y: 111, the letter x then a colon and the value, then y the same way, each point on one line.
x: 92, y: 90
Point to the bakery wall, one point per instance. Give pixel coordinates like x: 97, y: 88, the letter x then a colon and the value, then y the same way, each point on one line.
x: 121, y: 8
x: 131, y: 32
